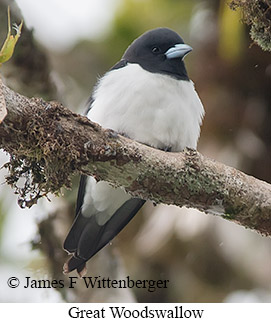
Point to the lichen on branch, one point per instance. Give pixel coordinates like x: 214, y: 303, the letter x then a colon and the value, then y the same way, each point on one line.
x: 48, y: 144
x: 256, y: 14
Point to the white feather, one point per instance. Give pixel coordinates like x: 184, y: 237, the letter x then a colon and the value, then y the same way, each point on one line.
x: 154, y: 109
x: 102, y: 200
x: 151, y: 108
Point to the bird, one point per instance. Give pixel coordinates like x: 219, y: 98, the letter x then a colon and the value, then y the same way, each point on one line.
x: 148, y: 97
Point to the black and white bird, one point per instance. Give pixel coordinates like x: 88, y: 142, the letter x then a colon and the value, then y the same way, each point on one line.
x: 148, y: 97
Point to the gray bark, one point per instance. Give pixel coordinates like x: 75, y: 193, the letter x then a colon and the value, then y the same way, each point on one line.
x: 50, y: 143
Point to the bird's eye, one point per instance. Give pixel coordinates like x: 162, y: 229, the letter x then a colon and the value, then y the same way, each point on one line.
x: 156, y: 50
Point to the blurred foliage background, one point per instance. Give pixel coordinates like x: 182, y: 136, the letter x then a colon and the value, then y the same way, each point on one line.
x: 205, y: 258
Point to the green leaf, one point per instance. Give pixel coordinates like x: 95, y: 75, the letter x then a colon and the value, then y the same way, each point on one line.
x: 7, y: 49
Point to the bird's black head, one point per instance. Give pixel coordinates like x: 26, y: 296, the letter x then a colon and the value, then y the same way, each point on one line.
x: 160, y: 50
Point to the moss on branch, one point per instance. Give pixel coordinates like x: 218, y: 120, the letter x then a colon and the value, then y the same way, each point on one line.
x: 48, y: 144
x: 256, y: 14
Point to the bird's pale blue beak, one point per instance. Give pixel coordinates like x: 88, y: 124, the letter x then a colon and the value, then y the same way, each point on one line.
x: 178, y: 51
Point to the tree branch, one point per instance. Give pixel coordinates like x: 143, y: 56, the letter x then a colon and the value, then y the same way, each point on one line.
x: 48, y: 143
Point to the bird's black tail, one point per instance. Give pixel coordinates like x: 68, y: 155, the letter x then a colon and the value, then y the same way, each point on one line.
x: 87, y: 236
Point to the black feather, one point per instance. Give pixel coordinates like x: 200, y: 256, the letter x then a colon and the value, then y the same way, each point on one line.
x: 87, y: 237
x: 81, y: 193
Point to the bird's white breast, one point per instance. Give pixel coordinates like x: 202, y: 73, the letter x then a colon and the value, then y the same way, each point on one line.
x: 151, y: 108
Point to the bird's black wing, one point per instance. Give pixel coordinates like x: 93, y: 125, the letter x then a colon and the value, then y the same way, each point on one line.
x: 81, y: 193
